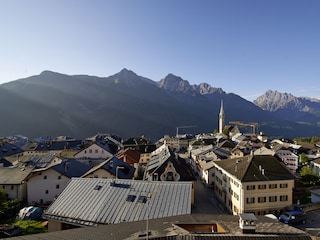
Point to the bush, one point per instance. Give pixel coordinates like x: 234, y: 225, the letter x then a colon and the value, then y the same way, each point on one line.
x: 30, y: 226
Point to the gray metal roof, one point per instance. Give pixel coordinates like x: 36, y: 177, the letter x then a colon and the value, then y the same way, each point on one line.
x: 94, y: 201
x: 158, y: 157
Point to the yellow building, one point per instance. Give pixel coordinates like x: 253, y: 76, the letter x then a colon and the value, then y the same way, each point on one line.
x: 258, y: 184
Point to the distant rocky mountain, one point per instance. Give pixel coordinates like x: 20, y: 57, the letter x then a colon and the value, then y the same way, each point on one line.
x: 177, y: 84
x: 288, y: 107
x: 128, y: 105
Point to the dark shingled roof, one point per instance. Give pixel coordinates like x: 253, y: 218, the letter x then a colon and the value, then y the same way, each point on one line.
x: 249, y: 168
x: 71, y: 168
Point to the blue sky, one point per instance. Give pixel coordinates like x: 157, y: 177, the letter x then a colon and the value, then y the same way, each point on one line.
x: 243, y: 46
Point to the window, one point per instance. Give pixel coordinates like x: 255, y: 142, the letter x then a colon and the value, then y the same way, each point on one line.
x: 12, y: 187
x: 283, y: 185
x: 57, y: 186
x: 44, y: 177
x: 96, y: 151
x: 142, y: 199
x: 236, y: 196
x: 272, y: 198
x: 272, y: 186
x: 251, y: 187
x: 47, y: 191
x: 262, y: 199
x: 131, y: 198
x: 59, y: 177
x: 250, y: 200
x: 262, y: 186
x: 90, y: 150
x: 284, y: 198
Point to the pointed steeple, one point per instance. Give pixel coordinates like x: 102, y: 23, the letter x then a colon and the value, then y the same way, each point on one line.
x: 221, y: 118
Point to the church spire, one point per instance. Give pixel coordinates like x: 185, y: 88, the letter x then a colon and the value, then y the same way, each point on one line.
x: 221, y: 118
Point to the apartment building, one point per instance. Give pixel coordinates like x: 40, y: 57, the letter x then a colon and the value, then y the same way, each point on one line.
x: 258, y: 184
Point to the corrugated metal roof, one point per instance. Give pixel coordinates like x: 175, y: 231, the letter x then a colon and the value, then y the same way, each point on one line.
x: 104, y: 201
x: 158, y: 157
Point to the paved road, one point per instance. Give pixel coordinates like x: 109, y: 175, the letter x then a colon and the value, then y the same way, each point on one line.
x: 204, y: 200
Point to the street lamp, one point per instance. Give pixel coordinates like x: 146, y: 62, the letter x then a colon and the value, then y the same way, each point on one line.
x: 117, y: 169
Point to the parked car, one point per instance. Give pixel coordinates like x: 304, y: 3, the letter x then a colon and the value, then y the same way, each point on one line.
x: 293, y: 215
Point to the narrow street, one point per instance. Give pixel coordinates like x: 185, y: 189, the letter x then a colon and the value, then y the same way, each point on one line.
x: 205, y: 202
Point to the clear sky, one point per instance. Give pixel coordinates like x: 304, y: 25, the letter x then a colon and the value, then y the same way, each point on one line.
x: 243, y: 46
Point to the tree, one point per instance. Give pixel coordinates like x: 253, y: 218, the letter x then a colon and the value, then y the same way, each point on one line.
x: 308, y: 176
x: 303, y: 159
x: 314, y: 139
x: 8, y: 208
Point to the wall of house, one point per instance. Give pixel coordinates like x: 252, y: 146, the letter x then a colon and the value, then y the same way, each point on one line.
x: 267, y: 196
x: 15, y: 191
x: 144, y: 158
x: 33, y: 153
x: 316, y: 167
x: 45, y: 186
x: 93, y: 151
x: 290, y: 159
x: 54, y: 226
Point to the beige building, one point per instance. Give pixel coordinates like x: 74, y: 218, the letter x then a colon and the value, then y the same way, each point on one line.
x: 258, y: 184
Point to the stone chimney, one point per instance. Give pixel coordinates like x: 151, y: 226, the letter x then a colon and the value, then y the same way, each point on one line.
x: 247, y: 222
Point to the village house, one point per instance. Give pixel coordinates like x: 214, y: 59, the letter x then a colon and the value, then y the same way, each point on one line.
x: 13, y: 182
x: 96, y: 150
x: 45, y: 184
x: 290, y: 159
x: 143, y: 146
x: 164, y: 165
x: 315, y: 165
x: 132, y: 157
x: 111, y: 168
x: 43, y: 147
x: 259, y: 184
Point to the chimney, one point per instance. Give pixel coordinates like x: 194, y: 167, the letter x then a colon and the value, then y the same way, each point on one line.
x: 247, y: 222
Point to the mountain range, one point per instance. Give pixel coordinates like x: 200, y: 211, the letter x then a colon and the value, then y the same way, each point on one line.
x: 130, y: 105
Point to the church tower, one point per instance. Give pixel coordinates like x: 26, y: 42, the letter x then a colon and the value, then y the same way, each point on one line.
x: 221, y: 118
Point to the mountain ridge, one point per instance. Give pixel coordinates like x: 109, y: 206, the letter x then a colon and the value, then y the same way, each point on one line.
x: 128, y: 105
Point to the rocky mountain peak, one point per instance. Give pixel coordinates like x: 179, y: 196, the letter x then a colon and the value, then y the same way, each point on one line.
x: 274, y: 100
x: 174, y: 83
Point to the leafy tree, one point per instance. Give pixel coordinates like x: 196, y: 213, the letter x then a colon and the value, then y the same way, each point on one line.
x: 308, y: 176
x: 314, y: 139
x: 303, y: 159
x: 306, y: 170
x: 8, y: 208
